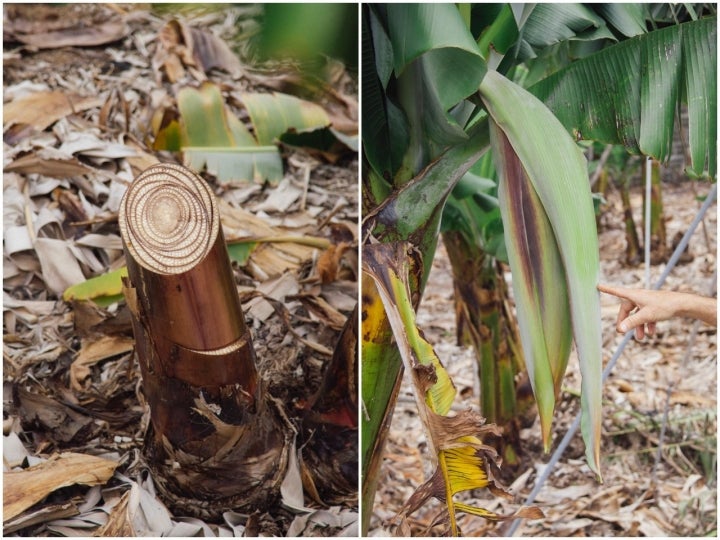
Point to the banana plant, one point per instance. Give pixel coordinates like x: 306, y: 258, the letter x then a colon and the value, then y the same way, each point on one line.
x: 437, y: 95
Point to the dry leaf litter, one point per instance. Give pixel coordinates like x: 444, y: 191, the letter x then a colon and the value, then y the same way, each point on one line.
x: 80, y: 92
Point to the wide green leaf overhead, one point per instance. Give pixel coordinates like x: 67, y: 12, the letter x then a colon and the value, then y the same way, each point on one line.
x: 426, y: 52
x: 629, y: 93
x: 437, y: 32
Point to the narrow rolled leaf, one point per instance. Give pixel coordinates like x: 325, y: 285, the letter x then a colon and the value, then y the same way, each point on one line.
x: 558, y: 172
x: 539, y: 280
x: 528, y: 512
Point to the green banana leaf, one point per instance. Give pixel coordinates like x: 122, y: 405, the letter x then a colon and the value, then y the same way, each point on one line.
x: 543, y: 25
x: 215, y: 140
x: 435, y: 68
x: 275, y: 114
x: 104, y: 290
x: 629, y: 93
x: 628, y: 19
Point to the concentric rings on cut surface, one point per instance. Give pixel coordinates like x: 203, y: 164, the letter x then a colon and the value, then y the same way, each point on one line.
x: 168, y: 219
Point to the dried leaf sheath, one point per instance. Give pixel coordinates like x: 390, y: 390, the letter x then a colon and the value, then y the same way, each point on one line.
x: 216, y: 436
x: 330, y: 453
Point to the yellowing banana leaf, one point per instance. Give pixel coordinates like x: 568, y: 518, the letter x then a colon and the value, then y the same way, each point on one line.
x: 462, y: 460
x: 389, y: 266
x: 206, y: 121
x: 168, y: 135
x: 540, y: 152
x: 213, y: 138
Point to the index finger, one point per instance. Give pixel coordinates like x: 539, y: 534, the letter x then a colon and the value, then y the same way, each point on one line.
x: 620, y: 292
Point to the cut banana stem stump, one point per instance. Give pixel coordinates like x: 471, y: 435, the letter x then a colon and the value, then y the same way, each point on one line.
x: 217, y: 440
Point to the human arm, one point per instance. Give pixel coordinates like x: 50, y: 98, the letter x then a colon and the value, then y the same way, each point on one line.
x: 654, y: 306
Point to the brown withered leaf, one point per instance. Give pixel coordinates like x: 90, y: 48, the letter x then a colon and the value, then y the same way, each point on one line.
x: 22, y: 489
x: 329, y: 262
x: 91, y: 319
x: 119, y: 522
x: 48, y: 162
x: 70, y: 204
x: 41, y: 515
x: 42, y: 109
x: 94, y: 351
x: 182, y: 46
x: 54, y: 417
x: 142, y: 159
x: 55, y: 26
x: 319, y: 307
x: 448, y: 429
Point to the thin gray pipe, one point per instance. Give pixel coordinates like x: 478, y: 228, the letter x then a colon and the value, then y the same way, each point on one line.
x: 611, y: 364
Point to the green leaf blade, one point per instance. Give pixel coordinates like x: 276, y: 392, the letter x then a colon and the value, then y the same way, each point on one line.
x: 543, y: 309
x: 204, y: 117
x: 274, y: 114
x: 558, y: 174
x: 237, y: 164
x: 628, y: 93
x: 104, y: 289
x: 700, y: 67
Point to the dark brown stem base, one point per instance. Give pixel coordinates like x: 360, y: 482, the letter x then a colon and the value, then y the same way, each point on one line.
x: 330, y: 453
